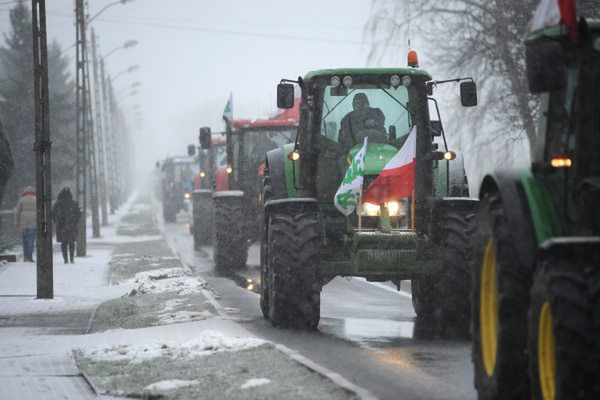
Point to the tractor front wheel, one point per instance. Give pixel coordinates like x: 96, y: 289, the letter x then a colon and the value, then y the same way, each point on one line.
x: 293, y: 279
x: 500, y: 300
x: 230, y: 250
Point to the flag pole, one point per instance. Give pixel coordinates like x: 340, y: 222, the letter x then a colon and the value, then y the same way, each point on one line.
x: 359, y: 209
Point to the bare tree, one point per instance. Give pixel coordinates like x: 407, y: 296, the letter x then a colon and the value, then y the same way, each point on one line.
x: 481, y: 38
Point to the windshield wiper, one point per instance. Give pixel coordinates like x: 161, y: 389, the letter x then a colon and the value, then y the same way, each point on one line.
x: 396, y: 100
x: 334, y: 107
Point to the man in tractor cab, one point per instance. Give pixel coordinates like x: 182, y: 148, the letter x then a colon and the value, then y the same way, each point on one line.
x: 362, y: 121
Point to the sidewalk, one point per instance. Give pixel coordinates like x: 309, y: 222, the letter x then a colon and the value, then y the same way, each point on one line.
x: 131, y: 320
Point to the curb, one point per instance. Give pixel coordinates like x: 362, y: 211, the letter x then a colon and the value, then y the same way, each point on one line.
x: 336, y: 378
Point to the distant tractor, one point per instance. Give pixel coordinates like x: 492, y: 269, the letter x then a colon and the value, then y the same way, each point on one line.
x: 237, y: 199
x: 536, y: 255
x: 307, y: 241
x: 177, y: 180
x: 211, y: 156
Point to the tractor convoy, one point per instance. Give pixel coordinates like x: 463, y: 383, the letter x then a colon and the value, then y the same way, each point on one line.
x: 354, y: 178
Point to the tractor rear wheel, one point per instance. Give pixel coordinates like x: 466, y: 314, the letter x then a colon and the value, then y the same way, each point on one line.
x: 203, y: 219
x: 293, y: 279
x: 560, y: 333
x: 230, y: 250
x: 500, y: 300
x: 452, y: 305
x: 267, y: 194
x: 441, y: 302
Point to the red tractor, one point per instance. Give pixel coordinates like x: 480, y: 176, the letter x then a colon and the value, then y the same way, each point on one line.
x: 237, y: 198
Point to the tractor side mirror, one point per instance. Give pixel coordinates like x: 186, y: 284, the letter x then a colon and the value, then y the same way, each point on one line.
x: 392, y: 133
x: 191, y: 150
x: 468, y: 94
x: 285, y: 95
x: 545, y: 66
x: 205, y: 137
x: 436, y: 128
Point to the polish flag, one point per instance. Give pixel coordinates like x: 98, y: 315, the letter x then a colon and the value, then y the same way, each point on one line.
x: 397, y: 179
x: 554, y: 12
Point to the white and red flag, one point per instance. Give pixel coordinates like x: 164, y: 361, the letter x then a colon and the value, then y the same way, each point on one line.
x: 397, y: 179
x: 554, y: 12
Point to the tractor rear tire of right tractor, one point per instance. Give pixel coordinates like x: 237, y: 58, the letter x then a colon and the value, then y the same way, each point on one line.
x: 500, y: 300
x: 293, y: 260
x: 230, y: 250
x: 561, y: 365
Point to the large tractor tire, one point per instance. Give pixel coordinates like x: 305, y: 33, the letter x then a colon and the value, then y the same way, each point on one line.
x: 202, y: 212
x: 293, y: 278
x: 169, y: 213
x: 442, y: 302
x: 230, y: 250
x: 500, y: 300
x: 452, y: 305
x: 267, y: 193
x: 560, y: 333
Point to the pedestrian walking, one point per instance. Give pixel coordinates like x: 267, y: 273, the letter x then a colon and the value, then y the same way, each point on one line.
x: 25, y: 219
x: 66, y: 216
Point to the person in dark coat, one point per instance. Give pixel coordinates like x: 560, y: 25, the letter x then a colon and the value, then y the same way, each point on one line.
x: 66, y: 216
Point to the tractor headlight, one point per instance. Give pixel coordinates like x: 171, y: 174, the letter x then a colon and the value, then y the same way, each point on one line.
x: 396, y: 208
x: 370, y: 210
x: 187, y: 196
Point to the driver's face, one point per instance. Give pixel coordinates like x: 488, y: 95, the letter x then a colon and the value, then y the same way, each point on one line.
x: 359, y: 104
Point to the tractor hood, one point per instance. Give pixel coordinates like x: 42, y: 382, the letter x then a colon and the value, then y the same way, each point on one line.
x: 378, y: 155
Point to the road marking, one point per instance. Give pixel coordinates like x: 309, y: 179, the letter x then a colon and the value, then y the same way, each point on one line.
x: 386, y: 287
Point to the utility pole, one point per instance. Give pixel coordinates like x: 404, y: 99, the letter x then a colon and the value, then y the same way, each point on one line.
x: 115, y: 131
x: 108, y: 126
x: 45, y: 279
x: 93, y: 174
x: 100, y: 132
x: 81, y: 126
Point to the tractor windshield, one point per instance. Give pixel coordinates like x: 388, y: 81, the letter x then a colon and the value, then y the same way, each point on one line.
x: 257, y: 142
x: 219, y: 155
x: 364, y: 111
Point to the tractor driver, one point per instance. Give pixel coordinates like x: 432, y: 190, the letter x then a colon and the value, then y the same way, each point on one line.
x: 362, y: 121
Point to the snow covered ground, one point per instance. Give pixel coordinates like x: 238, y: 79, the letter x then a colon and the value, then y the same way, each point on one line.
x: 158, y: 331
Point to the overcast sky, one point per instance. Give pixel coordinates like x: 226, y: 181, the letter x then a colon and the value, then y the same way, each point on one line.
x: 193, y: 53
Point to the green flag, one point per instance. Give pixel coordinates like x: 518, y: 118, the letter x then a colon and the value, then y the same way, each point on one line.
x: 228, y: 111
x: 348, y: 194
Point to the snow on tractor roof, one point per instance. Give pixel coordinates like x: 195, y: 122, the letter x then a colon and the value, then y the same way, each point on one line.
x: 368, y: 71
x: 282, y: 118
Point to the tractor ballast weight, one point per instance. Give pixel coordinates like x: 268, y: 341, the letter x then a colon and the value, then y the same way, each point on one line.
x: 306, y: 241
x: 237, y: 199
x: 536, y: 238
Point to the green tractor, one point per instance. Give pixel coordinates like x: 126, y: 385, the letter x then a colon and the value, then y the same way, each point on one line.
x: 536, y: 243
x: 211, y: 156
x: 306, y: 241
x: 236, y: 200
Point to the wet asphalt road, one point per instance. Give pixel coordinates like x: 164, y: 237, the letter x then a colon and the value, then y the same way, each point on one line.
x: 367, y: 332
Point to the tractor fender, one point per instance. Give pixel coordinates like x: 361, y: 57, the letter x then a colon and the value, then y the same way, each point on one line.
x: 582, y: 248
x: 293, y: 205
x: 458, y: 186
x: 221, y: 179
x: 276, y: 167
x: 512, y: 193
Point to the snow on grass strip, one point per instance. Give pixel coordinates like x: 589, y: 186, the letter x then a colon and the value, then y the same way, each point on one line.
x: 209, y: 342
x: 252, y: 383
x: 167, y: 280
x: 169, y: 384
